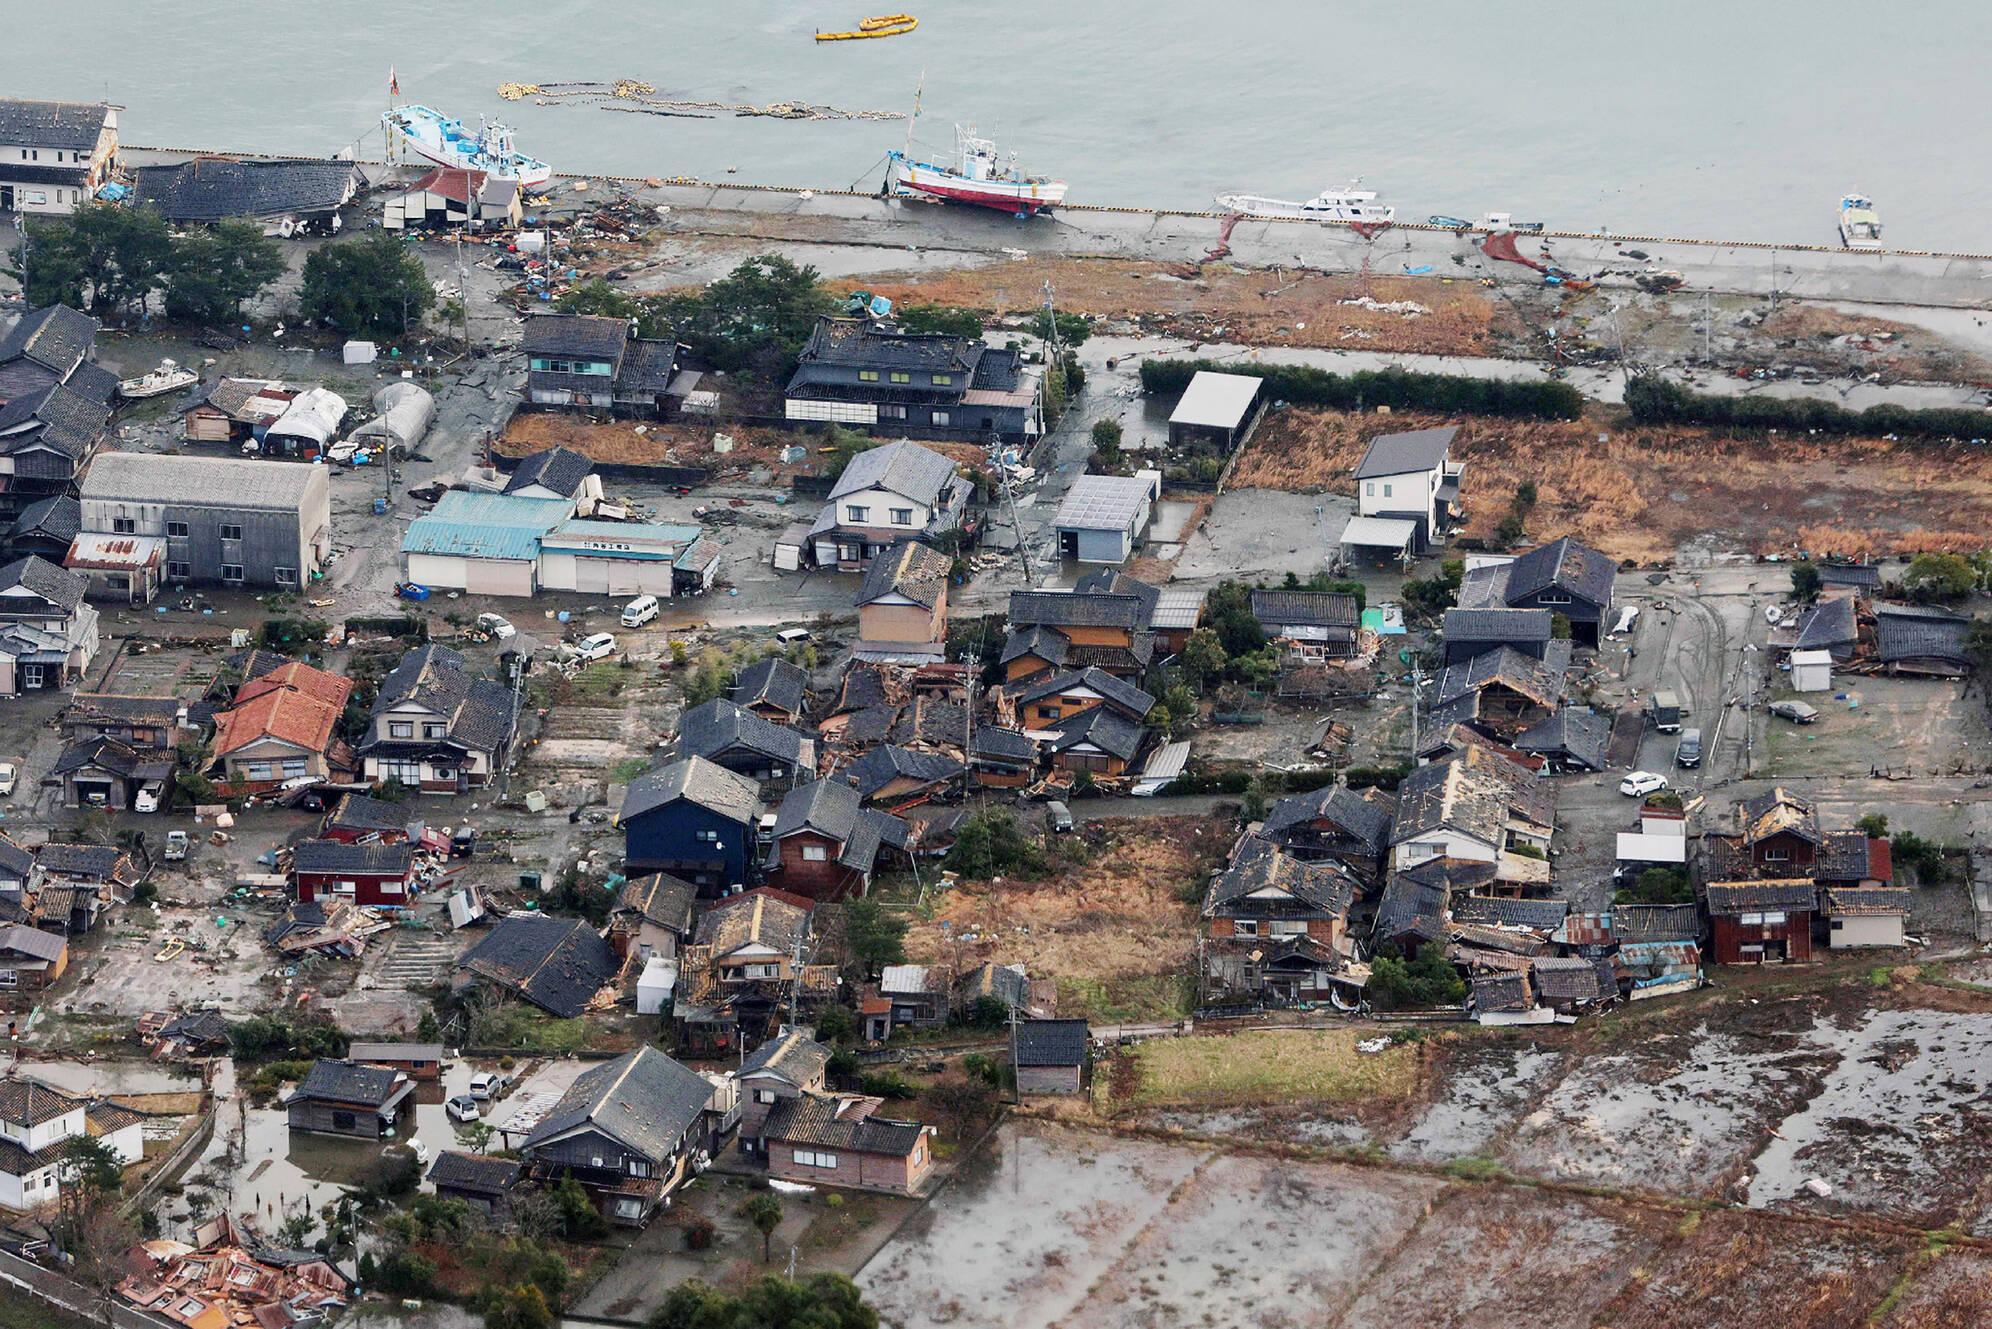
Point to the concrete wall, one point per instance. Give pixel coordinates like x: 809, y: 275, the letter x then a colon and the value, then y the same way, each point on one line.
x: 908, y: 624
x: 1859, y: 930
x: 1048, y: 1079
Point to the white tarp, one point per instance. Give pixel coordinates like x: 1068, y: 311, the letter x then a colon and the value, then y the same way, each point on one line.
x: 403, y: 413
x: 1636, y: 848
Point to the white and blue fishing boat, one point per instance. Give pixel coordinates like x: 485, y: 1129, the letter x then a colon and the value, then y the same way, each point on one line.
x: 449, y: 142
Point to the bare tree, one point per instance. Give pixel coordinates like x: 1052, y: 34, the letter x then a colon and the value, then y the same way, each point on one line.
x: 97, y: 1247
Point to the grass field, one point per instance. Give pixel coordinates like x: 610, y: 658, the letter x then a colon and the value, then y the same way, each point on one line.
x: 1276, y: 1066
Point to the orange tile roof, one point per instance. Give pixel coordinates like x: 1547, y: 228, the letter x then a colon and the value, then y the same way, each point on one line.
x: 281, y: 713
x: 315, y: 683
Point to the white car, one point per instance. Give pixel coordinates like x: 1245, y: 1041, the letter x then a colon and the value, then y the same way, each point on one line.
x: 488, y: 1084
x: 463, y: 1108
x: 9, y: 775
x: 598, y: 647
x: 146, y: 799
x: 497, y: 625
x: 1641, y: 783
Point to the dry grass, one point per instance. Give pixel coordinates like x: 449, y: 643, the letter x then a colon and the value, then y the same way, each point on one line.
x: 1639, y: 494
x: 617, y: 442
x: 1116, y: 920
x: 1262, y: 307
x: 1272, y: 1066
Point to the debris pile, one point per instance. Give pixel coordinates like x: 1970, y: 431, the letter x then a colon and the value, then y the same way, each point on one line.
x: 232, y: 1278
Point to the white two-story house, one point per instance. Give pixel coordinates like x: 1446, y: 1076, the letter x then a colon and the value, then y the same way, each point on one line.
x: 1407, y: 490
x: 1476, y: 806
x: 436, y: 728
x: 48, y: 635
x: 886, y: 494
x: 54, y: 156
x: 36, y: 1123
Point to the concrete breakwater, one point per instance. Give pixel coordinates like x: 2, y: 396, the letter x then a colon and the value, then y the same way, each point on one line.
x: 847, y: 217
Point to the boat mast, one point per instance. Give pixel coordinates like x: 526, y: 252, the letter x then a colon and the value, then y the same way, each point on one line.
x: 918, y: 91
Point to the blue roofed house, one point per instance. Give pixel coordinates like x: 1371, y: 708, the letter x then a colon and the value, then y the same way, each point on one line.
x: 627, y: 558
x: 858, y: 371
x: 693, y: 819
x: 887, y: 494
x: 529, y: 539
x: 486, y: 544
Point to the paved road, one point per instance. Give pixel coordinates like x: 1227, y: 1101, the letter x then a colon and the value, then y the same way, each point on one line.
x: 25, y: 1279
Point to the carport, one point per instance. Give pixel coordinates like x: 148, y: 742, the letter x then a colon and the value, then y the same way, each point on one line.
x: 1388, y: 535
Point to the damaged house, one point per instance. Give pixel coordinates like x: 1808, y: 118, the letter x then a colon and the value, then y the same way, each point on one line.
x: 1332, y: 823
x: 436, y: 727
x: 560, y: 965
x: 694, y: 819
x: 1562, y: 576
x: 1476, y: 806
x: 903, y: 606
x: 1501, y: 693
x: 893, y: 492
x: 1275, y: 930
x: 826, y: 843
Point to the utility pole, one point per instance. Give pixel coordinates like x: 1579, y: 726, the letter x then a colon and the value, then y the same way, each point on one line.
x: 1016, y: 1084
x: 1708, y: 328
x: 1417, y: 687
x: 1023, y: 547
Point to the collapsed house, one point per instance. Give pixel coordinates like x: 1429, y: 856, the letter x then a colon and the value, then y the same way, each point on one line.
x: 232, y: 1278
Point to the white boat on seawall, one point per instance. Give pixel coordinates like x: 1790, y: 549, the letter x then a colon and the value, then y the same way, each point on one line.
x: 170, y: 376
x: 978, y: 176
x: 1334, y: 205
x: 449, y: 142
x: 1860, y: 224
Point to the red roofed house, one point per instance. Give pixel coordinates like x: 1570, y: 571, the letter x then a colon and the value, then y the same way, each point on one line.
x: 443, y: 198
x: 281, y: 728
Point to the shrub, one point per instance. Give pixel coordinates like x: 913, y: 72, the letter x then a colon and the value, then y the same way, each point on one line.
x: 1653, y: 400
x: 992, y: 844
x: 1427, y: 980
x: 1375, y: 777
x: 406, y: 1274
x: 699, y: 1233
x: 1909, y: 849
x: 1397, y: 388
x: 885, y: 1084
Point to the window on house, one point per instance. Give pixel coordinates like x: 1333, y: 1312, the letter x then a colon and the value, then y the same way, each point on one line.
x: 708, y: 837
x: 628, y: 1208
x: 1553, y: 598
x: 1288, y: 927
x: 639, y: 1167
x: 944, y: 380
x: 857, y: 512
x: 1049, y: 712
x: 892, y: 412
x: 902, y: 378
x: 867, y: 376
x: 902, y: 516
x: 231, y: 572
x: 762, y: 971
x: 941, y: 417
x: 1244, y: 927
x: 176, y: 530
x: 764, y: 1095
x: 1370, y: 489
x: 815, y: 853
x: 346, y: 887
x: 401, y: 729
x: 285, y: 576
x: 117, y: 581
x: 434, y: 730
x: 230, y: 532
x: 814, y: 1158
x: 124, y: 526
x: 1775, y: 855
x: 390, y: 888
x: 255, y: 770
x: 179, y: 571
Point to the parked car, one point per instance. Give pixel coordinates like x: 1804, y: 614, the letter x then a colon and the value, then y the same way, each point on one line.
x: 10, y: 774
x: 598, y: 647
x: 1688, y: 752
x: 146, y: 799
x: 792, y: 636
x: 463, y: 1108
x: 409, y: 590
x: 1641, y: 783
x: 176, y: 845
x: 1058, y: 817
x: 1797, y: 712
x: 639, y: 611
x: 488, y: 1084
x: 497, y: 625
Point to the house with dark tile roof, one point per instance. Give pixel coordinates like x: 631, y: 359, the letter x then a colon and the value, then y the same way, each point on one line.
x: 903, y: 606
x: 380, y: 876
x: 1335, y: 822
x: 1864, y: 916
x: 31, y: 961
x: 1470, y: 632
x: 1780, y: 832
x: 343, y: 1097
x: 360, y: 818
x: 108, y: 773
x: 46, y: 528
x: 895, y: 777
x: 297, y: 195
x: 1002, y: 758
x: 1923, y: 640
x: 592, y: 362
x: 627, y: 1130
x: 558, y: 964
x: 1092, y: 628
x: 826, y: 843
x: 480, y: 1180
x: 54, y: 156
x: 773, y: 689
x: 694, y: 819
x: 1562, y: 576
x: 865, y: 372
x: 553, y: 473
x: 744, y: 743
x: 1310, y: 627
x: 1101, y: 741
x: 1574, y: 738
x: 836, y: 1140
x: 1477, y: 806
x: 787, y: 1066
x: 436, y: 727
x: 1274, y: 929
x: 1051, y: 1056
x: 48, y: 635
x: 653, y: 915
x: 886, y: 494
x: 1759, y: 922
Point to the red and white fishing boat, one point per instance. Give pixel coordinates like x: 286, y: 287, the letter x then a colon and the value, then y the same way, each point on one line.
x: 978, y: 176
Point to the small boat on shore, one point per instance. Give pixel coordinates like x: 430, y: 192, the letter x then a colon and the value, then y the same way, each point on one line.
x: 1334, y: 205
x: 882, y: 25
x: 170, y: 376
x: 978, y: 176
x: 1860, y: 224
x: 449, y: 142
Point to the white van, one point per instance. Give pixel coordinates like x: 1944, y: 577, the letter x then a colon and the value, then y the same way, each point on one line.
x: 639, y: 611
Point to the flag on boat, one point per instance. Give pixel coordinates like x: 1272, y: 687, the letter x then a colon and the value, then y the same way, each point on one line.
x: 393, y: 83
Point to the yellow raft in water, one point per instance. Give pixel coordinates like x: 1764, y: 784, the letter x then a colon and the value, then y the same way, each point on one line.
x: 883, y: 25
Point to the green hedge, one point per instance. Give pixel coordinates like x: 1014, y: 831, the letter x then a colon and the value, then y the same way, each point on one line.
x: 1396, y: 388
x: 1654, y: 401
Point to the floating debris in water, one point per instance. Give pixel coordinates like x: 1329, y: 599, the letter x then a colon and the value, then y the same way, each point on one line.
x: 644, y: 94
